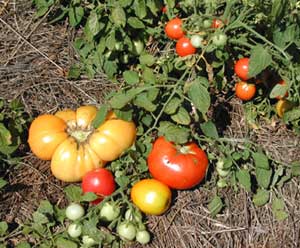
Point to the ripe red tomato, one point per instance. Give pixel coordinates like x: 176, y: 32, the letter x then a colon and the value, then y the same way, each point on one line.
x: 184, y: 47
x: 174, y: 29
x: 244, y: 90
x: 282, y: 82
x: 99, y: 181
x: 217, y: 23
x: 241, y: 68
x: 178, y: 167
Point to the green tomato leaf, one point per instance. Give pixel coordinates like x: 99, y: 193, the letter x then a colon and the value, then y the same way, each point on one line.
x: 215, y: 206
x: 39, y: 218
x: 100, y: 116
x: 64, y: 243
x: 278, y: 209
x: 149, y: 76
x: 296, y: 168
x: 125, y: 3
x: 291, y: 115
x: 278, y: 91
x: 280, y: 215
x: 122, y: 181
x: 88, y: 197
x: 261, y: 197
x: 73, y: 193
x: 110, y: 68
x: 173, y: 132
x: 3, y: 228
x: 75, y: 15
x: 260, y: 59
x: 172, y: 105
x: 131, y: 77
x: 181, y: 117
x: 278, y: 173
x: 199, y: 96
x: 23, y: 245
x: 45, y: 207
x: 2, y: 183
x: 260, y: 160
x: 263, y: 177
x: 244, y: 179
x: 147, y: 59
x: 209, y: 129
x: 140, y: 8
x: 92, y: 27
x: 118, y: 16
x: 135, y: 23
x: 143, y: 102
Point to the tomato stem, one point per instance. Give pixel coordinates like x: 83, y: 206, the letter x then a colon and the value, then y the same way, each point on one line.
x: 80, y: 135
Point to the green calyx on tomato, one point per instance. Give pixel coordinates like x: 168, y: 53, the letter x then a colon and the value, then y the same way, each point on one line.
x: 179, y: 168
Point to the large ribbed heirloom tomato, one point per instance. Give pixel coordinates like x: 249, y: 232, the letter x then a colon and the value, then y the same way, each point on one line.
x: 74, y: 146
x: 179, y: 167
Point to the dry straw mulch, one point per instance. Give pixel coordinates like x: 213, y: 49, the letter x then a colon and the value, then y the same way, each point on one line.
x: 33, y: 56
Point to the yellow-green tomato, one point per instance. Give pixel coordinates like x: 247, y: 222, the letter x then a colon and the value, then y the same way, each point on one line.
x: 126, y: 230
x: 151, y: 196
x: 88, y: 241
x: 143, y: 237
x: 109, y: 212
x: 74, y: 230
x: 74, y: 211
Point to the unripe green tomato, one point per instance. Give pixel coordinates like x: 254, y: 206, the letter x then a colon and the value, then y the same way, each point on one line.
x: 109, y: 212
x: 196, y: 40
x: 74, y: 211
x: 88, y: 241
x: 74, y: 230
x: 143, y: 237
x: 207, y: 23
x: 126, y: 230
x: 133, y: 216
x: 219, y: 39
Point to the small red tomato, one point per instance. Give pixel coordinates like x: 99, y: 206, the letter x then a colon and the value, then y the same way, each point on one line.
x: 164, y: 9
x: 179, y: 167
x: 241, y: 68
x: 217, y: 23
x: 174, y: 29
x: 282, y: 82
x: 244, y: 90
x: 99, y: 181
x: 184, y: 47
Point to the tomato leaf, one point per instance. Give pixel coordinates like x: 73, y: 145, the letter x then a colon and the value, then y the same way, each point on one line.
x: 39, y: 218
x: 140, y: 8
x: 118, y: 16
x: 215, y: 206
x: 292, y: 115
x: 100, y: 116
x: 209, y: 129
x: 3, y: 228
x: 278, y: 209
x: 261, y: 197
x: 23, y: 244
x: 260, y: 160
x: 172, y: 105
x: 92, y: 27
x: 2, y: 183
x: 122, y: 181
x: 181, y: 117
x: 64, y: 243
x: 260, y: 59
x: 296, y: 168
x: 199, y: 96
x: 173, y: 132
x: 147, y: 59
x: 131, y: 77
x: 143, y: 102
x: 75, y: 15
x: 278, y: 173
x: 73, y: 193
x: 244, y: 179
x: 88, y: 197
x: 263, y: 177
x: 135, y: 23
x: 278, y: 91
x: 45, y: 207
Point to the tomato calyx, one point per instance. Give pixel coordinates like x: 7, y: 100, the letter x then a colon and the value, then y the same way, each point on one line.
x: 80, y: 135
x: 184, y: 150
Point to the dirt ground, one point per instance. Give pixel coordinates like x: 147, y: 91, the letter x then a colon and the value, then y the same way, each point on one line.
x: 33, y: 57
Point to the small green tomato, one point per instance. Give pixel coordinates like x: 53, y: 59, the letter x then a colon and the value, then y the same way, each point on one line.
x: 219, y: 40
x: 196, y: 40
x: 74, y: 230
x: 88, y: 241
x: 126, y: 230
x: 109, y: 212
x: 143, y: 237
x: 74, y: 211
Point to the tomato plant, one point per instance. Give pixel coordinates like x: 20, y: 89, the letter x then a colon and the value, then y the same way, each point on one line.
x: 184, y: 47
x: 74, y: 211
x: 151, y: 196
x: 245, y: 91
x: 180, y: 167
x: 173, y: 29
x: 74, y: 146
x: 99, y: 181
x: 241, y: 68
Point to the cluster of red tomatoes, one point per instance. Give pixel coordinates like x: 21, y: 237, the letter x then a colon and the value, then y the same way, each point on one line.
x: 188, y: 45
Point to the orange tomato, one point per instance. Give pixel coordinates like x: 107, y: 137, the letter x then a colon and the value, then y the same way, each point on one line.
x: 245, y: 91
x: 282, y: 106
x: 74, y: 146
x: 151, y: 196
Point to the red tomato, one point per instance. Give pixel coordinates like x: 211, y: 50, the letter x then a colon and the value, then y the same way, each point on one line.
x: 184, y: 47
x: 241, y: 68
x: 164, y: 9
x: 174, y: 29
x: 217, y: 23
x: 99, y: 181
x: 178, y: 167
x: 244, y: 90
x: 282, y: 82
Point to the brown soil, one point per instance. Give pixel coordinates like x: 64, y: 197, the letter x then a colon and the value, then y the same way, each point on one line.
x: 33, y: 58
